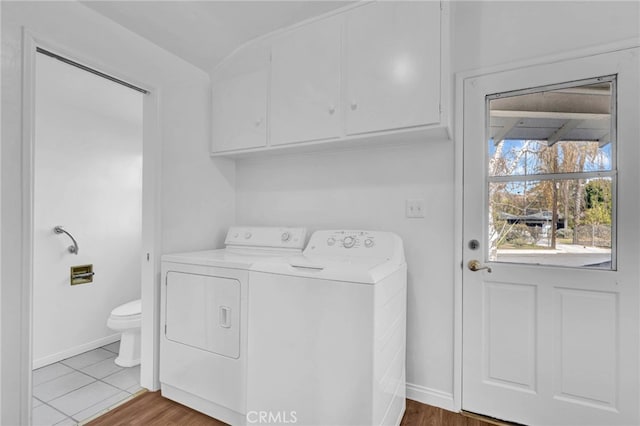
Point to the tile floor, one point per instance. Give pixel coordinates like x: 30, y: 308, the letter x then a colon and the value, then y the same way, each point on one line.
x: 79, y: 387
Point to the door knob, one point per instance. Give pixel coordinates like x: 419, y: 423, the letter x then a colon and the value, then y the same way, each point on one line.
x: 475, y: 265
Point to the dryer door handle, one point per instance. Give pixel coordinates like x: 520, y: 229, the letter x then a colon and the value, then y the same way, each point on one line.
x: 224, y: 316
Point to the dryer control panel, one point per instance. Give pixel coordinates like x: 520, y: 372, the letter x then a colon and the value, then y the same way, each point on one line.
x: 266, y: 236
x: 355, y: 243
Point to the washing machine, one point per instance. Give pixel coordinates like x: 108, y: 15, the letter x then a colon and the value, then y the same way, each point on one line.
x: 327, y: 332
x: 204, y: 319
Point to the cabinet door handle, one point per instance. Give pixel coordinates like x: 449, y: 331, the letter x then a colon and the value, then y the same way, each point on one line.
x: 258, y: 122
x: 354, y: 105
x: 332, y: 109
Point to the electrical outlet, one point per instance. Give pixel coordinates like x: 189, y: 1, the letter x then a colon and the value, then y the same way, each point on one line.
x: 415, y: 208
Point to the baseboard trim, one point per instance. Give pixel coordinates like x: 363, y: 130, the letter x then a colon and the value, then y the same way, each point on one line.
x: 76, y: 350
x: 430, y: 396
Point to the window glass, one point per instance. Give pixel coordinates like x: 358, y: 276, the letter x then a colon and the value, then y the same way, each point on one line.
x: 519, y: 157
x: 551, y: 175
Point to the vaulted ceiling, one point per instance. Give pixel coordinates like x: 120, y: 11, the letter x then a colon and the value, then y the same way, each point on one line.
x: 204, y: 32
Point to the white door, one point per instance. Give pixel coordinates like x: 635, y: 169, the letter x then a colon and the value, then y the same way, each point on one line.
x: 550, y: 333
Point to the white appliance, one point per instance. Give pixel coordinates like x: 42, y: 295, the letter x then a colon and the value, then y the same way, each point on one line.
x: 327, y: 333
x: 203, y: 345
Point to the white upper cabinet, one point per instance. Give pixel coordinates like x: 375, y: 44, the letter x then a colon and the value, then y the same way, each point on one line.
x: 393, y: 66
x: 239, y: 109
x: 305, y: 83
x: 372, y: 72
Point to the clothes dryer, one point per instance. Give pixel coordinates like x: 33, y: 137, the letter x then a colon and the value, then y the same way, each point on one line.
x: 327, y: 332
x: 203, y: 345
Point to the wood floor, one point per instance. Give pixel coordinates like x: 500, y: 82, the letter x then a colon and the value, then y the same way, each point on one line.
x: 150, y: 408
x: 418, y: 414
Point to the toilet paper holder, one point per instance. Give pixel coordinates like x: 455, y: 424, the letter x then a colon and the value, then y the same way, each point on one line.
x: 81, y: 274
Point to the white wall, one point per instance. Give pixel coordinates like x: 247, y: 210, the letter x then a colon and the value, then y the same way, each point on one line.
x: 489, y: 33
x: 485, y: 34
x: 88, y: 178
x: 368, y: 188
x: 193, y: 214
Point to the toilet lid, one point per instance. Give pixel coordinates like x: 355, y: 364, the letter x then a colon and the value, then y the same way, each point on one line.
x: 128, y: 309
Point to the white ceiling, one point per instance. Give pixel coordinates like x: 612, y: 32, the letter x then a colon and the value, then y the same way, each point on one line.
x: 581, y: 113
x: 204, y: 32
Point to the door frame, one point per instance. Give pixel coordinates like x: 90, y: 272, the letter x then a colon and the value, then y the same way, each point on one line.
x: 460, y: 78
x: 151, y: 224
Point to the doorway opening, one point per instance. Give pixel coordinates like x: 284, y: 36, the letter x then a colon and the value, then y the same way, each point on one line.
x: 87, y: 181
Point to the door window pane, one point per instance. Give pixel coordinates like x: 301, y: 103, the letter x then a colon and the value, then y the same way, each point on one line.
x: 525, y: 229
x: 519, y: 157
x: 551, y: 175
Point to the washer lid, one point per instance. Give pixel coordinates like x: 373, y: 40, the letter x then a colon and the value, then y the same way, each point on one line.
x: 128, y: 309
x: 331, y: 268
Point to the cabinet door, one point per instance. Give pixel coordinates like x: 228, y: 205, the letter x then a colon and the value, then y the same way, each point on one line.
x: 239, y: 109
x: 393, y: 66
x: 305, y: 83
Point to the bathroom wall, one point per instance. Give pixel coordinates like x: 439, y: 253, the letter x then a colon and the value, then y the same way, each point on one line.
x: 196, y: 192
x: 368, y: 188
x: 88, y: 178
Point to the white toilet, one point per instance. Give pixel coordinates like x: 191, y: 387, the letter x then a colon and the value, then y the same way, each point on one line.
x: 127, y: 319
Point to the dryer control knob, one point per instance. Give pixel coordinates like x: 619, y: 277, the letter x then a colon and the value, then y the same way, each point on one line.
x: 349, y: 242
x: 331, y: 241
x: 247, y: 235
x: 285, y: 237
x: 368, y: 243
